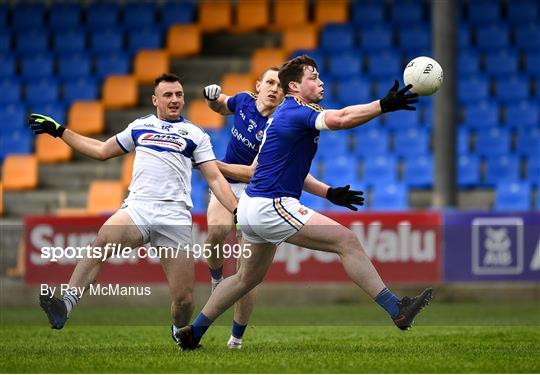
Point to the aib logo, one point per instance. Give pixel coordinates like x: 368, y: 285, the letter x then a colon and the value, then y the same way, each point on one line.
x: 428, y: 68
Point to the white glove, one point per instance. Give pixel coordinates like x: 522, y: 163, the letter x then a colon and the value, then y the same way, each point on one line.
x: 211, y: 92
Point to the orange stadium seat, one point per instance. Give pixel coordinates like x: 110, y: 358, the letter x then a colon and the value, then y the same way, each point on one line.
x: 184, y: 40
x: 69, y: 211
x: 127, y: 169
x: 288, y: 13
x: 104, y: 196
x: 300, y: 37
x: 331, y: 11
x: 266, y: 57
x: 86, y: 117
x: 251, y: 15
x: 52, y: 150
x: 20, y: 172
x: 201, y: 115
x: 233, y: 83
x: 215, y: 15
x: 120, y: 92
x: 149, y: 64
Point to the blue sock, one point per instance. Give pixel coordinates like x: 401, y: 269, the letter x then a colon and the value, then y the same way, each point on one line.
x: 388, y: 301
x: 201, y: 325
x: 216, y: 273
x: 238, y: 329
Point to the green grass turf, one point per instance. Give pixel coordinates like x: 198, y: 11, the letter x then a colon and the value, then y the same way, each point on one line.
x: 455, y: 338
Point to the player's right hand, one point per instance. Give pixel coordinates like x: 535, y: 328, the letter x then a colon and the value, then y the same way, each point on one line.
x: 396, y: 100
x: 45, y: 124
x: 211, y: 92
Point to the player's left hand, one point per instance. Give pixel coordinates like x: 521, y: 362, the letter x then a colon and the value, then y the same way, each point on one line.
x: 396, y: 100
x: 45, y: 124
x: 212, y: 92
x: 343, y: 196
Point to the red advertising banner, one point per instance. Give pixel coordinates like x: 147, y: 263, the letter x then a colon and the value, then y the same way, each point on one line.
x: 404, y: 247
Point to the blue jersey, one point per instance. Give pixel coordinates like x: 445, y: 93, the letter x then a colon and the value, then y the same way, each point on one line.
x: 247, y: 131
x: 287, y: 152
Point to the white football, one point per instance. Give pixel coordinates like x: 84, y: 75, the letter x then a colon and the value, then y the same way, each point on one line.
x: 425, y: 74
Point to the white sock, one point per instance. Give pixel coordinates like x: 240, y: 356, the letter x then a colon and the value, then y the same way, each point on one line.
x: 70, y: 299
x: 175, y: 329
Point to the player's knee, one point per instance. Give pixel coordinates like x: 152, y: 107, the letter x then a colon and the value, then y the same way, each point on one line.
x: 217, y: 234
x: 349, y: 243
x: 249, y: 281
x: 183, y: 298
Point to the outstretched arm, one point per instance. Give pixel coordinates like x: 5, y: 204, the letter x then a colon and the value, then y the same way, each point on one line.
x: 238, y: 172
x: 216, y: 100
x: 219, y: 186
x: 341, y: 196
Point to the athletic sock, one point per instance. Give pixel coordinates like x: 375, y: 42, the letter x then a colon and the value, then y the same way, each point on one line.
x: 70, y: 299
x: 217, y: 274
x: 238, y: 329
x: 201, y: 325
x: 175, y: 329
x: 388, y: 301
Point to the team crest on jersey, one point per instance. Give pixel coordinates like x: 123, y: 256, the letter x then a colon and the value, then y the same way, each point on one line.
x: 259, y: 135
x: 183, y: 132
x: 168, y: 141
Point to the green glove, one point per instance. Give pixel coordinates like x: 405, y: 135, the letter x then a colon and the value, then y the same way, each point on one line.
x: 45, y: 124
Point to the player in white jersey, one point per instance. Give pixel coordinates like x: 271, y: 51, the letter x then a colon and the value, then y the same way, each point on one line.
x: 269, y: 212
x: 157, y: 210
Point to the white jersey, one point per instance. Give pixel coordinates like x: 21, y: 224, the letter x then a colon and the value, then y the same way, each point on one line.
x: 165, y: 153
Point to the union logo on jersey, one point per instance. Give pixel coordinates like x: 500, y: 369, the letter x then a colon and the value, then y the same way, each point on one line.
x: 259, y: 135
x: 168, y: 141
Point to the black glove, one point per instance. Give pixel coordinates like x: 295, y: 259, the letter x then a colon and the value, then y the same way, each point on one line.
x: 45, y: 124
x: 395, y: 100
x: 235, y: 216
x: 342, y: 196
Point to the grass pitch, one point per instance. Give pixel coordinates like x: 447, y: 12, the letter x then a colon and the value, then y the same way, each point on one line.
x: 449, y: 338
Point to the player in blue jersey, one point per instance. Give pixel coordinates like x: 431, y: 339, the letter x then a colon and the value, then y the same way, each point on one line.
x: 251, y: 112
x: 269, y: 212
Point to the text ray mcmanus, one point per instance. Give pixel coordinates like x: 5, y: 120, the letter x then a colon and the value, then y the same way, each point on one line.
x: 98, y: 290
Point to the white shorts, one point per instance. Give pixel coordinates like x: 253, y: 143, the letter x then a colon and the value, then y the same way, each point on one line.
x: 161, y: 223
x: 237, y: 189
x: 271, y: 220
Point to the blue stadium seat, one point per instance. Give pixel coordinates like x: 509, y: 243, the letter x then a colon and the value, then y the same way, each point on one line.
x: 101, y: 16
x: 533, y: 172
x: 427, y: 115
x: 26, y: 16
x: 472, y: 89
x: 11, y: 91
x: 174, y: 12
x: 371, y: 141
x: 414, y: 38
x: 468, y: 170
x: 315, y: 54
x: 401, y: 120
x: 31, y: 42
x: 502, y: 63
x: 512, y: 89
x: 528, y: 37
x: 21, y: 142
x: 337, y: 37
x: 406, y: 13
x: 492, y: 38
x: 484, y: 12
x: 13, y: 119
x: 528, y: 143
x: 345, y: 64
x: 515, y: 196
x: 7, y: 65
x: 378, y: 38
x: 464, y: 36
x: 144, y: 39
x: 199, y: 196
x: 353, y: 91
x: 107, y: 41
x: 418, y: 171
x: 380, y: 169
x: 74, y: 66
x: 521, y: 12
x: 3, y: 14
x: 80, y: 89
x: 482, y: 115
x: 5, y: 41
x: 139, y: 15
x: 70, y: 41
x: 386, y: 64
x: 463, y: 141
x: 468, y: 62
x: 116, y: 63
x: 492, y: 142
x: 341, y: 170
x: 390, y: 197
x: 522, y: 115
x: 333, y: 144
x: 411, y: 142
x: 532, y: 63
x: 367, y: 13
x: 37, y: 66
x: 56, y: 110
x: 64, y: 16
x: 502, y: 168
x: 42, y: 91
x: 314, y: 202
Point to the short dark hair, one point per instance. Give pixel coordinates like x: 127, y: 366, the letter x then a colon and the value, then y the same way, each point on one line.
x: 273, y: 68
x: 166, y: 77
x: 293, y: 71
